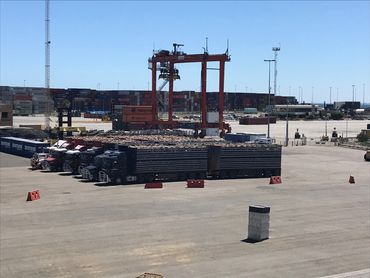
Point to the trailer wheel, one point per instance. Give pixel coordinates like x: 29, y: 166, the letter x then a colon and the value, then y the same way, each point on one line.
x: 191, y: 176
x: 223, y: 174
x: 182, y: 177
x: 201, y: 175
x: 149, y: 178
x: 118, y: 180
x: 268, y: 173
x: 141, y: 179
x: 233, y: 174
x: 46, y: 167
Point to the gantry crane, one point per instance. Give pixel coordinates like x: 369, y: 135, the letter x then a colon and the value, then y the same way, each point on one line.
x: 165, y: 61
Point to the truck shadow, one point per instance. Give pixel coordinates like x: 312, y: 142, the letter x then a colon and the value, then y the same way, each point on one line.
x: 103, y: 184
x: 65, y: 174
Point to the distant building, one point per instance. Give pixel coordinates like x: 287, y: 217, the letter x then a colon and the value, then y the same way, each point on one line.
x: 6, y: 115
x: 347, y: 105
x: 297, y: 110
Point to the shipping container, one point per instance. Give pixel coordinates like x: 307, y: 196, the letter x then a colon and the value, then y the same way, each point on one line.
x: 21, y: 147
x: 22, y: 97
x: 137, y: 118
x: 133, y: 109
x: 256, y: 120
x: 212, y: 117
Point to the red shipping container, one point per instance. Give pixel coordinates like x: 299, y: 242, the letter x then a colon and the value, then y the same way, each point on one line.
x: 22, y: 98
x: 137, y: 118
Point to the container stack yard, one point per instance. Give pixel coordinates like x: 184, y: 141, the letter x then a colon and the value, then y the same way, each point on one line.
x: 168, y: 167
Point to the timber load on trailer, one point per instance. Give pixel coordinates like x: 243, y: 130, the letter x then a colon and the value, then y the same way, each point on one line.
x: 244, y: 161
x: 148, y: 158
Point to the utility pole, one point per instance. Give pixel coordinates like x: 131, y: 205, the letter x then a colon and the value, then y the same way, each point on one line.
x: 276, y: 50
x: 287, y: 124
x: 363, y: 95
x: 312, y: 95
x: 47, y: 66
x: 353, y: 100
x: 269, y: 100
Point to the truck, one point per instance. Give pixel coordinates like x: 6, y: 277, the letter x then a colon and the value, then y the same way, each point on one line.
x: 54, y: 161
x: 87, y: 157
x: 114, y: 168
x: 72, y: 159
x: 38, y: 158
x: 91, y: 172
x: 149, y: 164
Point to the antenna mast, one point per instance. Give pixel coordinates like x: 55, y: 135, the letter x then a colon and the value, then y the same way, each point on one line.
x: 47, y: 66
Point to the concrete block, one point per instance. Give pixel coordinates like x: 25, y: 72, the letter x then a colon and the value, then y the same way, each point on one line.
x: 258, y: 223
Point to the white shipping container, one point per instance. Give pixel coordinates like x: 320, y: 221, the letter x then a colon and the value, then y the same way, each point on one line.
x: 21, y: 93
x: 212, y: 132
x: 39, y: 98
x: 212, y: 117
x: 38, y: 93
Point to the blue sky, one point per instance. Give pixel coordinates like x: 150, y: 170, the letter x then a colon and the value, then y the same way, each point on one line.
x: 323, y: 44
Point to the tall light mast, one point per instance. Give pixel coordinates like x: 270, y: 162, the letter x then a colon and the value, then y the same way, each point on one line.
x: 276, y: 50
x: 47, y: 66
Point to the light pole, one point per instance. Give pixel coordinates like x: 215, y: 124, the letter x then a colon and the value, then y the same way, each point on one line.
x: 276, y: 50
x: 312, y: 95
x: 353, y: 99
x: 287, y: 124
x: 363, y: 95
x: 268, y: 110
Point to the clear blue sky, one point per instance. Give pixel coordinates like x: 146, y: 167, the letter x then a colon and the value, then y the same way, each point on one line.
x: 323, y: 44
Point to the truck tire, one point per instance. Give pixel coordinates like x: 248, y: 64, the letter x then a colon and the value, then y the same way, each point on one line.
x: 118, y: 180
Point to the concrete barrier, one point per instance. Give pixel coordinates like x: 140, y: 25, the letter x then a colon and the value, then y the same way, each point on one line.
x: 259, y: 223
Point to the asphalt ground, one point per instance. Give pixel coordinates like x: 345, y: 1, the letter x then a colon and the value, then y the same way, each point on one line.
x: 319, y: 223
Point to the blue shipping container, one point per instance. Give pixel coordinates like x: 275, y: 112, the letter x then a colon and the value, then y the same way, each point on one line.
x: 232, y: 137
x: 21, y: 147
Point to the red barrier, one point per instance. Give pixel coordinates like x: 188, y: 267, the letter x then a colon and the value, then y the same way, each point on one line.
x: 33, y: 195
x: 195, y: 183
x: 351, y: 179
x: 275, y: 179
x: 153, y: 185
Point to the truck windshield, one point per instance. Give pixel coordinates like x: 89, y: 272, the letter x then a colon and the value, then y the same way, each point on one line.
x: 98, y: 161
x: 57, y: 154
x: 71, y: 156
x: 108, y: 162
